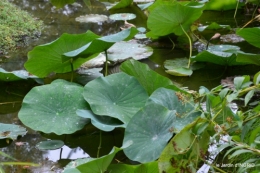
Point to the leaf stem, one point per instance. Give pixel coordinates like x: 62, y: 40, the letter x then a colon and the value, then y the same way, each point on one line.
x: 189, y: 44
x: 106, y: 64
x: 100, y: 143
x: 72, y: 69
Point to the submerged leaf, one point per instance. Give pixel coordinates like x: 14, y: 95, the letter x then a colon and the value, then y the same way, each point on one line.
x: 52, y: 108
x: 11, y: 131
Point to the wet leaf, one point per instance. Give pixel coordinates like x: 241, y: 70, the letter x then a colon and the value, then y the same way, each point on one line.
x: 50, y: 145
x: 11, y: 131
x: 149, y: 129
x: 118, y: 95
x: 52, y: 108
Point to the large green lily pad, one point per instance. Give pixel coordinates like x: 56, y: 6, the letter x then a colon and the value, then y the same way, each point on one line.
x: 150, y: 130
x: 104, y: 123
x: 118, y: 95
x: 123, y: 50
x: 52, y: 108
x: 219, y: 54
x: 148, y: 78
x: 170, y: 18
x: 183, y: 106
x: 11, y: 131
x: 47, y: 58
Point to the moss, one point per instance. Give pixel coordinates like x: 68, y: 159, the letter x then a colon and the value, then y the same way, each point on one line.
x: 15, y: 25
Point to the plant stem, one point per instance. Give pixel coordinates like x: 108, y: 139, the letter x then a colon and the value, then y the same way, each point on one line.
x: 100, y: 143
x: 189, y: 44
x: 106, y: 64
x: 72, y: 69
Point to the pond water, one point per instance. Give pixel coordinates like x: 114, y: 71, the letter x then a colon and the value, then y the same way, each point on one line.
x: 61, y: 21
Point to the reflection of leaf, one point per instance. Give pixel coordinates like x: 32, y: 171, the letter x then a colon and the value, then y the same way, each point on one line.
x: 11, y: 131
x: 166, y: 18
x: 61, y: 3
x: 118, y: 95
x: 149, y: 129
x: 52, y: 108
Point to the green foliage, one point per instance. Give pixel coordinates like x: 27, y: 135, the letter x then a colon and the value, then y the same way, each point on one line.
x: 14, y: 25
x: 61, y: 3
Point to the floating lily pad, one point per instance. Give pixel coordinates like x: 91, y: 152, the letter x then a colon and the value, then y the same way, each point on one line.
x: 215, y: 26
x: 14, y: 75
x: 104, y: 123
x: 50, y: 145
x: 149, y: 129
x: 92, y: 18
x: 11, y: 131
x: 122, y: 16
x: 219, y: 54
x: 248, y: 58
x: 124, y: 50
x: 52, y: 108
x: 178, y: 67
x: 118, y: 95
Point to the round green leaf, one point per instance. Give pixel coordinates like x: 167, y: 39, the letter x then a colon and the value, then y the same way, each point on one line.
x: 168, y: 18
x: 150, y: 130
x: 11, y: 131
x: 50, y: 145
x: 104, y: 123
x: 118, y: 95
x: 52, y: 108
x: 251, y: 35
x: 182, y: 105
